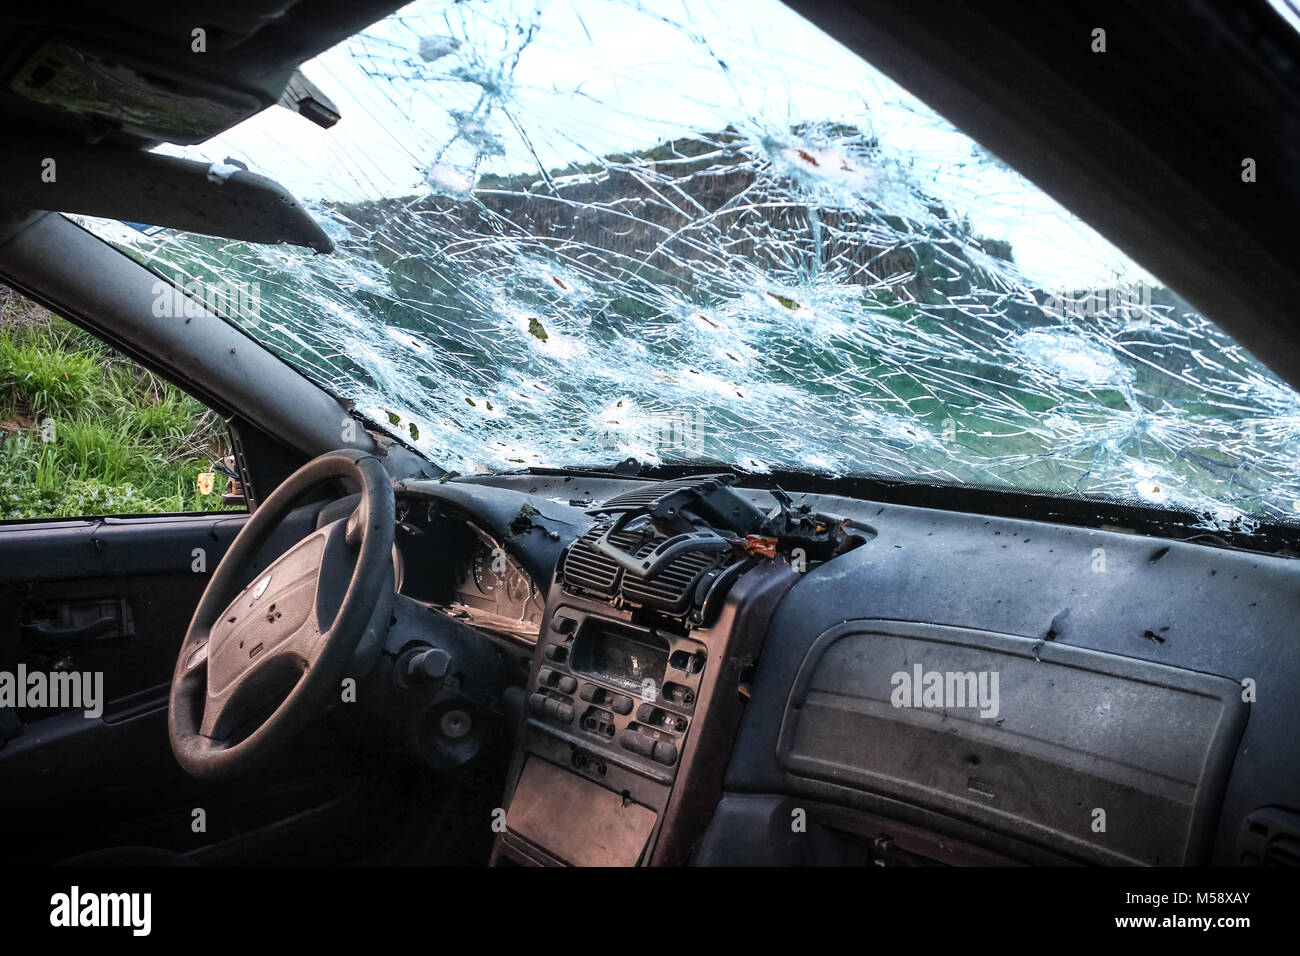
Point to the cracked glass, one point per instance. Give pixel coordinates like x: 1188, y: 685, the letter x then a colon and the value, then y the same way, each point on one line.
x: 578, y: 231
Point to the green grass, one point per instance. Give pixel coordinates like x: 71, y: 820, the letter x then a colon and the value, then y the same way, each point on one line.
x: 84, y: 431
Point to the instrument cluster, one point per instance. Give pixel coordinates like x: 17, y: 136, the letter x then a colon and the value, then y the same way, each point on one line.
x: 447, y: 562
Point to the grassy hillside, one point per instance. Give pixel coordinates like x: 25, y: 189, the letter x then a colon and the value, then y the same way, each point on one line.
x: 85, y: 431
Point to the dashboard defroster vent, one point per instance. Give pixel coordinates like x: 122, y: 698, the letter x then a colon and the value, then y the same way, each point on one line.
x: 586, y: 569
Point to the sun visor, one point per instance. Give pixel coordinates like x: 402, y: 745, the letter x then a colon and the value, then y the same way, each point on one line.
x: 110, y: 182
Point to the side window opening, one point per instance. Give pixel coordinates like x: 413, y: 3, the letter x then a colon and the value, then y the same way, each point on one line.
x: 85, y: 431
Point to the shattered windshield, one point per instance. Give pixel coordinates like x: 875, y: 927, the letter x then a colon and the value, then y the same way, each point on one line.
x: 577, y: 231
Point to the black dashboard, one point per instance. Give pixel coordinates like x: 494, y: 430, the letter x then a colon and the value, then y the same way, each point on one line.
x: 692, y: 664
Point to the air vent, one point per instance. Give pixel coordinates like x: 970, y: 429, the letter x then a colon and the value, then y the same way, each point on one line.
x: 672, y: 589
x: 1270, y: 837
x: 586, y: 569
x: 1284, y: 851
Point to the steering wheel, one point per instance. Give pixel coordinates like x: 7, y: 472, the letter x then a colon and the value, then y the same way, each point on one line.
x: 259, y: 661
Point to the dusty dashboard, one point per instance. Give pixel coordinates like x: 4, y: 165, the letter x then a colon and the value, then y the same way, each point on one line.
x: 631, y: 748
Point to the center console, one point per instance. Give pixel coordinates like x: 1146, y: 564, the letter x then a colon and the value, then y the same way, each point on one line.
x: 653, y: 624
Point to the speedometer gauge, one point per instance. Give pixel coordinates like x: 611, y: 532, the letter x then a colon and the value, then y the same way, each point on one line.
x: 494, y: 591
x: 486, y: 578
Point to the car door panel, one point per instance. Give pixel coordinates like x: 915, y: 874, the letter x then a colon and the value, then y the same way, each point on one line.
x: 79, y: 771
